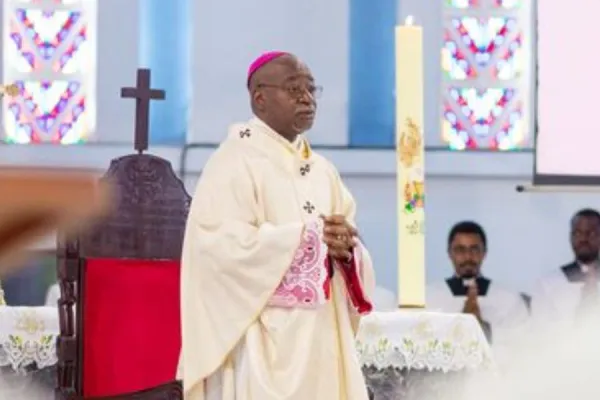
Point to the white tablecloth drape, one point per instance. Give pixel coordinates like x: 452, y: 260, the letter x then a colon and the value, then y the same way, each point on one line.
x: 400, y: 339
x: 422, y: 340
x: 28, y: 337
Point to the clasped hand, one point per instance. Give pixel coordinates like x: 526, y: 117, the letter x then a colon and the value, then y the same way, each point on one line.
x: 471, y: 304
x: 339, y: 236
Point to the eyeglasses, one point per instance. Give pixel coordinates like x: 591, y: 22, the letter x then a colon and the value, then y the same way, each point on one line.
x: 463, y: 250
x: 296, y: 90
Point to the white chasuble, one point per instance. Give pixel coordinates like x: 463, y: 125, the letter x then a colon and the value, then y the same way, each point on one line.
x: 266, y: 314
x: 505, y: 312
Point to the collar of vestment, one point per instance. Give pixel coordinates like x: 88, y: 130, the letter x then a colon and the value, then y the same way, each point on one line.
x: 257, y: 134
x: 575, y: 272
x: 458, y: 286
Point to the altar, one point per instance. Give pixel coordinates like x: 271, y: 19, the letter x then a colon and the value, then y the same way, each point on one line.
x: 404, y: 354
x: 28, y: 350
x: 412, y: 355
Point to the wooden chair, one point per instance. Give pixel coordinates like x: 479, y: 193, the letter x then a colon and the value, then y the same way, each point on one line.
x: 119, y: 307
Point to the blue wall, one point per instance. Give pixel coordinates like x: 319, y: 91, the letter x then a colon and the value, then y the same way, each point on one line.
x: 165, y: 35
x: 372, y: 79
x: 165, y: 43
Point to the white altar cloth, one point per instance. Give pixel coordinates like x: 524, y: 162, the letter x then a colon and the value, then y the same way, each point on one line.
x: 422, y: 340
x: 401, y: 339
x: 28, y: 337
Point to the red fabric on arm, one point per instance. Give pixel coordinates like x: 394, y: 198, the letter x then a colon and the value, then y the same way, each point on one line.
x: 351, y: 273
x: 131, y: 325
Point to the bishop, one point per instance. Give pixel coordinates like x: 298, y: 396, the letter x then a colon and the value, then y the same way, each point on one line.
x: 274, y: 277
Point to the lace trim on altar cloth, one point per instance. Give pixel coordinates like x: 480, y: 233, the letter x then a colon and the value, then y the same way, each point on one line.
x: 423, y: 341
x: 20, y: 353
x: 306, y: 284
x: 430, y: 355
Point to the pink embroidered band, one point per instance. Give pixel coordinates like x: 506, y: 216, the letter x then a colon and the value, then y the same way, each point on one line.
x: 263, y: 59
x: 306, y: 284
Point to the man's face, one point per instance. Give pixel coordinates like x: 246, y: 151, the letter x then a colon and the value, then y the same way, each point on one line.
x: 289, y: 97
x: 467, y: 252
x: 585, y: 238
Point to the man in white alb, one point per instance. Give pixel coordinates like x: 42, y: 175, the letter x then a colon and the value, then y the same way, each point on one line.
x: 571, y: 291
x: 501, y: 313
x: 274, y: 278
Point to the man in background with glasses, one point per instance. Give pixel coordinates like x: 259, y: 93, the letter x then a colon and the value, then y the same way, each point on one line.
x: 501, y: 313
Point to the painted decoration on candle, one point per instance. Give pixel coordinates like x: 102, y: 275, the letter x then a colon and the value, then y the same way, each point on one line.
x: 486, y: 77
x: 49, y: 52
x: 410, y: 154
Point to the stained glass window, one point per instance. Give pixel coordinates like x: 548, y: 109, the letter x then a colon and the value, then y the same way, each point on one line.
x: 462, y: 3
x: 486, y: 80
x: 49, y: 52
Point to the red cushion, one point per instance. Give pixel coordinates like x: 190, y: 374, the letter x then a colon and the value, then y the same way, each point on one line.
x: 131, y: 325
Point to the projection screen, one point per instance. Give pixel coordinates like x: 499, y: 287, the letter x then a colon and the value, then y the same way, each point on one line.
x: 567, y: 149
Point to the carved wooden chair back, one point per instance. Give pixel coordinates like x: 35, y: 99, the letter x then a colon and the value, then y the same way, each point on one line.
x: 119, y: 283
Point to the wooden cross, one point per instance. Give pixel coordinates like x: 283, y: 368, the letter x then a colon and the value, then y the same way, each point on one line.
x: 143, y: 95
